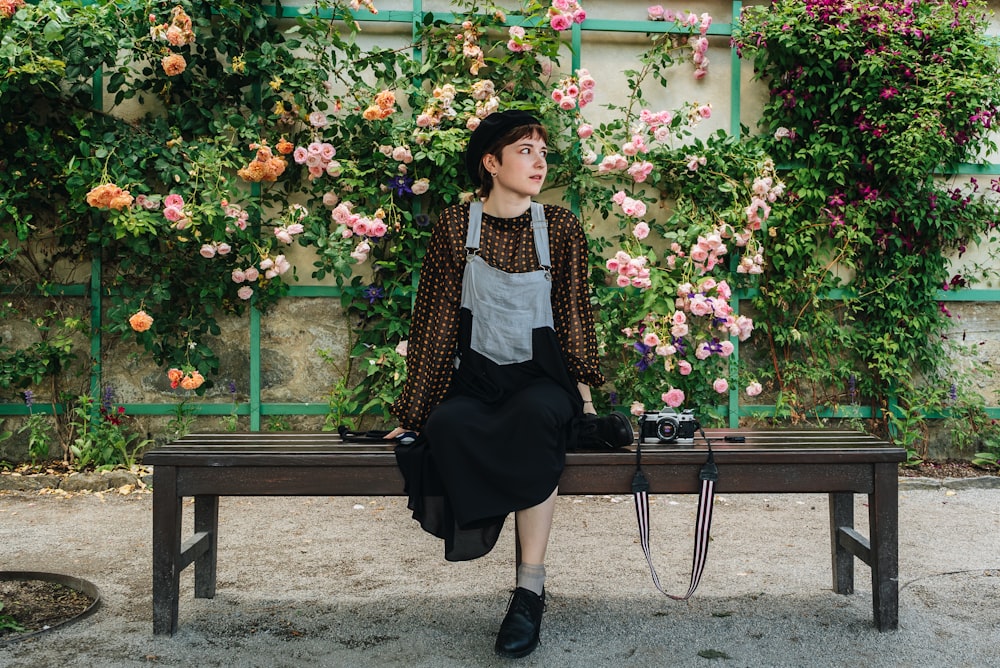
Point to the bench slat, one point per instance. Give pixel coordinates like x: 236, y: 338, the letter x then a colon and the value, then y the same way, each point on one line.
x: 326, y: 449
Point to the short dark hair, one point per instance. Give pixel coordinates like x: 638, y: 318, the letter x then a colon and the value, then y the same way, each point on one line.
x: 533, y: 131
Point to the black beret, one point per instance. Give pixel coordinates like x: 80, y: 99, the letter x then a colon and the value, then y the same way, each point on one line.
x: 491, y: 129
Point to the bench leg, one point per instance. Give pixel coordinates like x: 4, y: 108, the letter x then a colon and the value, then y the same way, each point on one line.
x: 841, y: 515
x: 206, y: 519
x: 166, y: 549
x: 883, y: 517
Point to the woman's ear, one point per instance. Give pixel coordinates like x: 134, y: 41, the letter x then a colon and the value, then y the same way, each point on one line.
x: 490, y: 163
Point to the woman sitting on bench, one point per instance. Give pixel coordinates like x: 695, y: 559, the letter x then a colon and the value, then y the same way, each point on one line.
x: 501, y: 357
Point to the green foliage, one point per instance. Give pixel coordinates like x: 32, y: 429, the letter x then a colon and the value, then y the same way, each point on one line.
x: 181, y: 420
x: 39, y: 428
x: 101, y: 437
x: 278, y: 423
x: 8, y: 623
x: 868, y: 103
x: 52, y: 354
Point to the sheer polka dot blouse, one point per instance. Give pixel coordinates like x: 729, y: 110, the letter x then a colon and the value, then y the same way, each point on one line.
x: 506, y: 244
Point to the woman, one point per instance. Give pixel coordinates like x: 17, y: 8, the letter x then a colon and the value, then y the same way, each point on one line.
x: 501, y: 357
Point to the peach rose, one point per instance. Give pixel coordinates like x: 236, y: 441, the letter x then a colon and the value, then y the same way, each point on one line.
x: 140, y: 321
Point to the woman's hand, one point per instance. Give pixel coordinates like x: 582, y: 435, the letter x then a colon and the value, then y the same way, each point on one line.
x: 398, y: 431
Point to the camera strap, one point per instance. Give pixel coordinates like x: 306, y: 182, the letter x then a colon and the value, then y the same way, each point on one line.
x: 709, y: 475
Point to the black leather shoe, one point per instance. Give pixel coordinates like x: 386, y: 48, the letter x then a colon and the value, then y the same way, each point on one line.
x: 520, y: 629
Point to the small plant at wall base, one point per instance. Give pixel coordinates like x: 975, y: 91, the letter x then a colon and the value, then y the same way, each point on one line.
x: 102, y: 440
x: 39, y: 429
x: 892, y: 93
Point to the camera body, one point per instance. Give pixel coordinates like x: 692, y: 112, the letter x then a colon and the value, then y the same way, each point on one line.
x: 668, y: 426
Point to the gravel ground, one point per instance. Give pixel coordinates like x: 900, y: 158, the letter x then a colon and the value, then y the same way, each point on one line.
x: 354, y: 582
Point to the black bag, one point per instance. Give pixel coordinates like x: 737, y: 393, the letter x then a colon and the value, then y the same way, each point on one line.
x: 603, y: 432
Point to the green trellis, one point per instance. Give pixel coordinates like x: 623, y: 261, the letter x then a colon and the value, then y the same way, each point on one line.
x: 256, y: 408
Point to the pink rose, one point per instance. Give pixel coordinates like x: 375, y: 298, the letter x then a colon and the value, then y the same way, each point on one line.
x: 207, y: 250
x: 637, y: 408
x: 341, y: 213
x: 173, y: 213
x: 360, y: 252
x: 701, y: 306
x: 173, y: 200
x: 673, y: 397
x: 641, y: 231
x: 244, y: 293
x: 584, y: 131
x: 282, y: 235
x: 252, y: 274
x: 753, y: 389
x: 685, y: 367
x: 360, y: 227
x: 651, y: 339
x: 420, y: 186
x: 720, y: 385
x: 560, y: 22
x: 318, y: 119
x: 238, y: 276
x: 640, y: 171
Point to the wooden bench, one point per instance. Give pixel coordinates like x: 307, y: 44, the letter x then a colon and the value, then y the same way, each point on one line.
x: 840, y: 463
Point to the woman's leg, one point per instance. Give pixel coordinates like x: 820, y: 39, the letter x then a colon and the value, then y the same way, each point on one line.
x: 533, y: 528
x: 519, y: 631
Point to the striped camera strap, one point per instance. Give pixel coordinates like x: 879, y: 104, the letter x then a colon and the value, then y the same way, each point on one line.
x: 709, y: 475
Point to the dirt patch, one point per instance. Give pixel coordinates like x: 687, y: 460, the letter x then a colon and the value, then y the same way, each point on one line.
x: 949, y: 468
x: 30, y: 606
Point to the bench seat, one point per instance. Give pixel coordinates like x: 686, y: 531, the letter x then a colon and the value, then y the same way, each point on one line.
x: 839, y: 463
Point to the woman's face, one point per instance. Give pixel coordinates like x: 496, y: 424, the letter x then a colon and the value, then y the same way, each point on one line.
x: 523, y: 168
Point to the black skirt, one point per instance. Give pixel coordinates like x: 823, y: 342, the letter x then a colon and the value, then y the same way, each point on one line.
x: 495, y: 445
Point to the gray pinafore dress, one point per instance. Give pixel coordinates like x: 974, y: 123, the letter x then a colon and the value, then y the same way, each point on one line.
x: 497, y: 443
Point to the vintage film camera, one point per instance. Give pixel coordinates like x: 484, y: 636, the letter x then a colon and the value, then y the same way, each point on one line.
x: 668, y: 426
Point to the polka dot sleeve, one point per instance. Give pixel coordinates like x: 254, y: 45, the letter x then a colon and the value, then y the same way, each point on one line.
x: 433, y: 339
x: 572, y: 312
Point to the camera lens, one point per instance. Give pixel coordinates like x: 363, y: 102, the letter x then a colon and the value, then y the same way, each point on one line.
x: 666, y: 430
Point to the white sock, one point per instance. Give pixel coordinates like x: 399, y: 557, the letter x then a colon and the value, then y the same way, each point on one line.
x: 531, y: 577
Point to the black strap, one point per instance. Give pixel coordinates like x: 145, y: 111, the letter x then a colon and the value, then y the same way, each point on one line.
x: 709, y: 475
x: 349, y: 436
